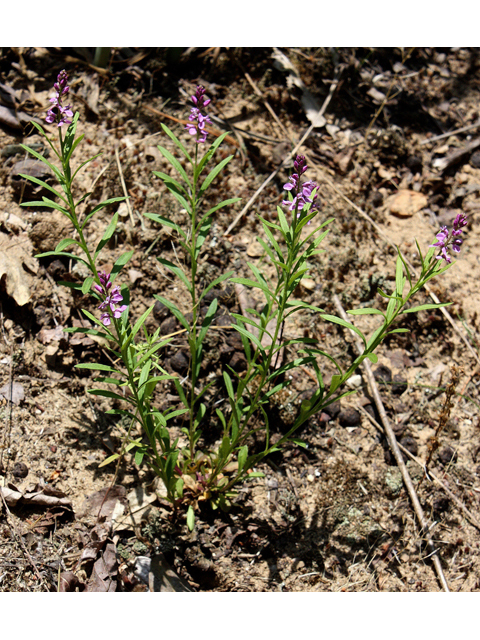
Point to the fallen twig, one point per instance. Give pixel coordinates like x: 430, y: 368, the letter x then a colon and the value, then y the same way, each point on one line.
x: 285, y: 163
x: 392, y: 441
x: 468, y: 514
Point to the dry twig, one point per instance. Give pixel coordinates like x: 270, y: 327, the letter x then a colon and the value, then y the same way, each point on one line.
x: 392, y: 441
x: 285, y: 163
x: 468, y: 514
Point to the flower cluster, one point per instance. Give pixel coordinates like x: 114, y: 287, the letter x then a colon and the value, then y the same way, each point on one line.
x: 446, y: 240
x: 303, y: 191
x: 59, y: 113
x: 111, y: 299
x: 197, y: 120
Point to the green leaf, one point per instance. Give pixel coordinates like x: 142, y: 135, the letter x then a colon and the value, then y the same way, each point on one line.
x: 140, y: 322
x: 257, y: 285
x: 213, y: 147
x: 166, y: 222
x: 336, y: 381
x: 62, y: 253
x: 372, y: 357
x: 87, y: 284
x: 207, y: 321
x: 190, y: 518
x: 251, y: 337
x: 177, y: 271
x: 214, y: 283
x: 229, y: 386
x: 283, y: 223
x: 94, y: 366
x: 37, y: 155
x: 109, y: 394
x: 344, y: 323
x: 44, y: 185
x: 99, y: 207
x: 212, y: 175
x: 85, y: 163
x: 65, y: 243
x: 74, y: 146
x: 46, y: 202
x: 242, y: 457
x: 222, y: 204
x: 108, y: 460
x: 173, y: 137
x: 423, y: 307
x: 365, y: 311
x: 176, y: 164
x: 176, y: 312
x: 120, y: 263
x: 109, y: 231
x: 401, y: 330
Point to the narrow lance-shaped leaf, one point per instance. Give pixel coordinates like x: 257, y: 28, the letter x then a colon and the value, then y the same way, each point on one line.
x: 344, y: 323
x: 109, y: 231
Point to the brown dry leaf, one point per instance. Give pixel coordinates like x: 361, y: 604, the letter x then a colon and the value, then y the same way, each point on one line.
x: 13, y: 254
x: 9, y: 118
x: 45, y: 336
x: 104, y: 574
x: 42, y: 496
x: 91, y: 93
x: 13, y: 392
x: 137, y: 509
x: 69, y: 582
x: 405, y: 203
x: 309, y: 103
x: 158, y: 575
x: 101, y: 504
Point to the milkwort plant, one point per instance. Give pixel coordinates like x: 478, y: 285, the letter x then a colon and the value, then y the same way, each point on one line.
x: 140, y: 371
x: 191, y: 473
x: 261, y: 331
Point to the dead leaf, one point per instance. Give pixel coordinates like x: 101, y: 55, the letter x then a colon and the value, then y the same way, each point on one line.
x: 405, y: 203
x: 69, y: 582
x: 13, y: 392
x: 9, y: 118
x: 47, y: 335
x: 101, y: 504
x: 42, y: 496
x: 12, y: 256
x: 158, y: 575
x: 137, y: 508
x: 104, y: 574
x: 309, y: 103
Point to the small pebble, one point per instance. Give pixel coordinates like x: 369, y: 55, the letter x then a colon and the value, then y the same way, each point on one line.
x: 20, y: 470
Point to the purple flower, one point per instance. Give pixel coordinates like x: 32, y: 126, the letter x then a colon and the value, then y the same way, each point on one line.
x: 197, y: 120
x: 303, y: 191
x: 59, y: 113
x: 446, y: 240
x: 110, y: 299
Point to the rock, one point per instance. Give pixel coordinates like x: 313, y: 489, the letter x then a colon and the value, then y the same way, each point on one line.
x: 475, y: 159
x: 405, y: 203
x: 238, y: 362
x: 410, y: 444
x: 255, y: 250
x: 349, y: 417
x: 399, y: 384
x: 383, y: 374
x: 179, y: 362
x: 51, y: 354
x: 168, y: 326
x: 20, y: 470
x: 447, y: 455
